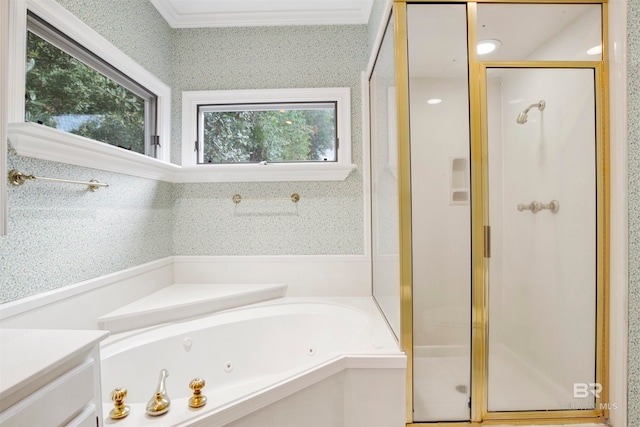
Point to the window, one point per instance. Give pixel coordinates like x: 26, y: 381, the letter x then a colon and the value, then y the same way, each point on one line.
x: 70, y: 89
x: 267, y: 135
x: 61, y: 31
x: 246, y: 133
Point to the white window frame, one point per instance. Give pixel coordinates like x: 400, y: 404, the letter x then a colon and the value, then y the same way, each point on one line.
x: 42, y: 142
x: 298, y: 171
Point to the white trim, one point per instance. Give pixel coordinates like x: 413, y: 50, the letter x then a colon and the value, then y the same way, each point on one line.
x: 212, y: 259
x: 308, y: 275
x: 619, y: 233
x: 326, y: 171
x: 42, y: 142
x: 305, y: 275
x: 17, y: 55
x: 366, y: 163
x: 265, y: 173
x: 4, y: 113
x: 259, y: 13
x: 33, y: 302
x: 73, y: 27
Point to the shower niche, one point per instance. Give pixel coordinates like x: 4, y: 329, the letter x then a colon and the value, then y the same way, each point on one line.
x: 458, y: 181
x: 496, y: 294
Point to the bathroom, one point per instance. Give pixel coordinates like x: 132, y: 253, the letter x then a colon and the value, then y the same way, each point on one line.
x: 192, y: 232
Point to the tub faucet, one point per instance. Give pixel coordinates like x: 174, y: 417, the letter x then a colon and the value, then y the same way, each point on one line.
x: 159, y: 403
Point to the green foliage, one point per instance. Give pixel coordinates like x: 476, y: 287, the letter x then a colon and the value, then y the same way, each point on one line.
x: 60, y: 85
x: 270, y: 135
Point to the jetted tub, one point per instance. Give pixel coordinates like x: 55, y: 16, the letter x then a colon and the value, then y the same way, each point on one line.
x: 253, y: 356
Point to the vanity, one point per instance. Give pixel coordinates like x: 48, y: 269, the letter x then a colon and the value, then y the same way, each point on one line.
x: 50, y: 377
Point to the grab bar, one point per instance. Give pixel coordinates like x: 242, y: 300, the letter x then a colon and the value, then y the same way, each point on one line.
x: 18, y: 178
x: 535, y: 207
x: 295, y: 198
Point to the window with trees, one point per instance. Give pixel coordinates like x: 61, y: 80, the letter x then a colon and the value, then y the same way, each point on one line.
x: 292, y: 134
x: 272, y: 133
x: 71, y: 89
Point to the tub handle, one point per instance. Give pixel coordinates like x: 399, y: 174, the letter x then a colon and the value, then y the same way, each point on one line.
x: 198, y: 399
x: 120, y: 410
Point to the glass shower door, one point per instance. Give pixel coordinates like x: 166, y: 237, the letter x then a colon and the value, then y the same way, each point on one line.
x: 543, y: 208
x: 441, y: 211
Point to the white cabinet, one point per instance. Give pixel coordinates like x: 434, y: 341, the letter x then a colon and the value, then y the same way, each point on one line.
x: 50, y: 378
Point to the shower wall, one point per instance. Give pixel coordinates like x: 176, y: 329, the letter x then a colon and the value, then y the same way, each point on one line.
x: 440, y: 202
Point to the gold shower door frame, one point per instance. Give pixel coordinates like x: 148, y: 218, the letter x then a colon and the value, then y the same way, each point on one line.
x: 480, y: 223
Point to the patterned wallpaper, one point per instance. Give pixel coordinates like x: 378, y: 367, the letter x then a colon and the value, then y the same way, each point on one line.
x: 62, y: 234
x: 633, y: 84
x: 329, y: 217
x: 84, y: 235
x: 133, y: 26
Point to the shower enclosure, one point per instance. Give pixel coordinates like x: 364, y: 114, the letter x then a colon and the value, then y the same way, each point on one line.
x: 489, y: 206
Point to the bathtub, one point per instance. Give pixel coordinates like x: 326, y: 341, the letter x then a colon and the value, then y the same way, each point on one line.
x: 254, y: 356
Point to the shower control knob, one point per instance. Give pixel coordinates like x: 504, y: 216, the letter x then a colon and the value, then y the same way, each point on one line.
x: 198, y: 400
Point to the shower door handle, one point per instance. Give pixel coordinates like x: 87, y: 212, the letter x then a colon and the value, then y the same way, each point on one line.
x: 487, y: 241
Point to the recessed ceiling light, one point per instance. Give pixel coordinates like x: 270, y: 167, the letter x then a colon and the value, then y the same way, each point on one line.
x: 487, y: 46
x: 596, y: 50
x: 434, y: 101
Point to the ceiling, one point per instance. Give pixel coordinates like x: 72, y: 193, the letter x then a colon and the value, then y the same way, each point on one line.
x: 249, y: 13
x: 438, y: 38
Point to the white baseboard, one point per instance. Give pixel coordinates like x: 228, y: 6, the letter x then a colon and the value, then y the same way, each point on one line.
x: 305, y: 275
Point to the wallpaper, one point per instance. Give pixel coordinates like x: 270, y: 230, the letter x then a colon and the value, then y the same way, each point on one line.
x: 133, y: 26
x: 62, y: 234
x: 633, y: 84
x: 59, y: 234
x: 329, y: 217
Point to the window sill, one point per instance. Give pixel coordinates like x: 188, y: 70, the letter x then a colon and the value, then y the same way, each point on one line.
x: 266, y: 173
x: 45, y: 143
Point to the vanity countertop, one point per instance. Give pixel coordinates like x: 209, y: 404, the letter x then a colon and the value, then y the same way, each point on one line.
x: 30, y: 358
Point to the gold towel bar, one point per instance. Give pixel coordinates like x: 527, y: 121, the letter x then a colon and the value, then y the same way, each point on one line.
x: 295, y: 198
x: 18, y: 178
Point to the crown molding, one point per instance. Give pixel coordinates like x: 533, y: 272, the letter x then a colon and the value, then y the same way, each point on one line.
x: 254, y: 13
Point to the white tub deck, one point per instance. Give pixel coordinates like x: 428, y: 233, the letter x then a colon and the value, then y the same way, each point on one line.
x: 185, y: 300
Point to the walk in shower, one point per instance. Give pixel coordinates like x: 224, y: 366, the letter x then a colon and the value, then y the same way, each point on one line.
x: 489, y: 201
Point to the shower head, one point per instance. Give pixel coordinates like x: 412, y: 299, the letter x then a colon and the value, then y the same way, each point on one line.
x: 522, y: 117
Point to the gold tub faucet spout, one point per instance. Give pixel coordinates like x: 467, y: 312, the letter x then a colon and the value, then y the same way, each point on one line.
x: 160, y: 402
